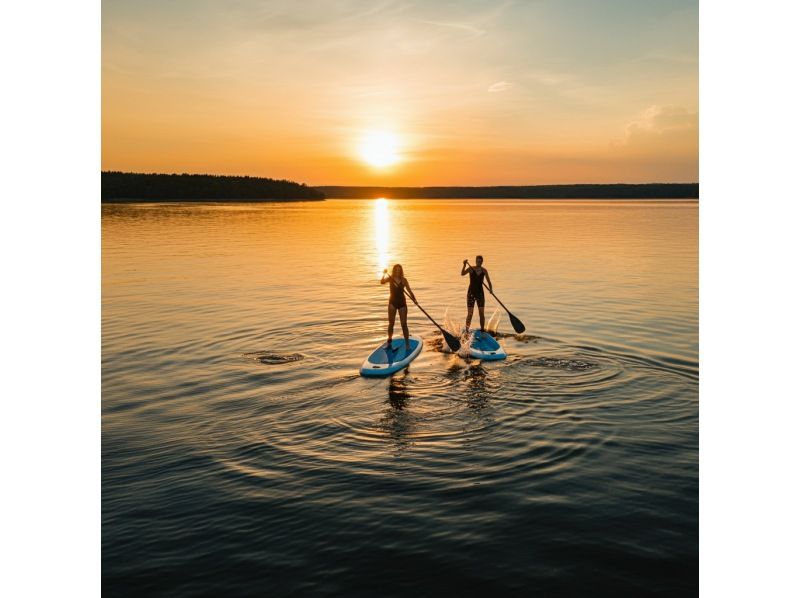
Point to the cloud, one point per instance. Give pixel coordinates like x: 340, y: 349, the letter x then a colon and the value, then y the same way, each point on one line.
x: 471, y: 30
x: 658, y: 120
x: 661, y: 134
x: 548, y: 78
x: 498, y: 87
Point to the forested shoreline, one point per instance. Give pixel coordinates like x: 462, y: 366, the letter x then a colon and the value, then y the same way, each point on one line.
x: 120, y: 187
x: 578, y: 191
x: 130, y: 186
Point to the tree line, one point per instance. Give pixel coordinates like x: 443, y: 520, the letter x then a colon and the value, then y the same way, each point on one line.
x: 581, y: 191
x: 130, y: 186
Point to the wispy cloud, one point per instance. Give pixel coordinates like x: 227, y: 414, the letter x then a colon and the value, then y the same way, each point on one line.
x: 549, y: 78
x: 499, y: 87
x: 471, y: 30
x: 313, y: 16
x: 661, y: 130
x: 661, y: 119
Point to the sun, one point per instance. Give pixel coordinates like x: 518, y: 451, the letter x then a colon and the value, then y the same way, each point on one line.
x: 379, y: 149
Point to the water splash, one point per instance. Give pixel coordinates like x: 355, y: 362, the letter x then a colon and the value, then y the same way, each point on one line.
x: 457, y: 331
x: 448, y: 324
x: 269, y: 358
x: 493, y: 322
x: 438, y: 345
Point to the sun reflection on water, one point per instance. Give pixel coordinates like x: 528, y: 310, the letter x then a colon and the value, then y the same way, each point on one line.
x: 382, y: 231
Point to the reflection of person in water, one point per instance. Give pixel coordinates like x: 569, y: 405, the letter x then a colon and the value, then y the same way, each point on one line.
x: 475, y: 289
x: 477, y: 393
x: 396, y: 421
x: 398, y: 394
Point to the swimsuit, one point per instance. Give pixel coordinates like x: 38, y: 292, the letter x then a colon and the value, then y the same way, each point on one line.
x: 397, y: 298
x: 475, y: 290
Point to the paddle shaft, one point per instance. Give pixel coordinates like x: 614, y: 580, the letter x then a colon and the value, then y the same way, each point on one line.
x: 451, y: 340
x: 405, y: 290
x: 495, y: 297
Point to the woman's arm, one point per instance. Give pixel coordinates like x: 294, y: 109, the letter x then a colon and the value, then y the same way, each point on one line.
x: 385, y: 278
x: 488, y: 280
x: 410, y: 292
x: 465, y: 268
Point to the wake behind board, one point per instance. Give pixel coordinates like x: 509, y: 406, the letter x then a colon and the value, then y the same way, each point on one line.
x: 382, y: 362
x: 485, y: 346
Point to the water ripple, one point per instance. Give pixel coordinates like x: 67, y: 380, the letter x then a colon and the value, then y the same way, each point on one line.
x: 243, y: 454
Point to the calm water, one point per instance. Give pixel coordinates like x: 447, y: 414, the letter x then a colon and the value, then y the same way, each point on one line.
x: 243, y: 455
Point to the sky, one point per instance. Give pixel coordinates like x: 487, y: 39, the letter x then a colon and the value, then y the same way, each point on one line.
x: 398, y: 92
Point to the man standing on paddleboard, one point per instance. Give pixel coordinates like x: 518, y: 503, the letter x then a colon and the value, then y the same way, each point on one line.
x: 475, y: 289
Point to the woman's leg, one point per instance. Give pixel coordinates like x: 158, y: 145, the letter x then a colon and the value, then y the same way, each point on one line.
x: 404, y: 324
x: 482, y: 317
x: 392, y: 312
x: 470, y: 308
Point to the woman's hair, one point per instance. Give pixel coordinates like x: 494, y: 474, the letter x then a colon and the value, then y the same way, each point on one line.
x: 395, y: 268
x: 478, y: 257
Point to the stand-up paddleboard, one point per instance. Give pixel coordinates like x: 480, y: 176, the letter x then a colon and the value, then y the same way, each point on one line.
x: 485, y: 346
x: 382, y: 362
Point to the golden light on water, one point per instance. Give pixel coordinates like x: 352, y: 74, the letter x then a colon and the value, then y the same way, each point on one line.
x: 382, y: 231
x: 379, y: 149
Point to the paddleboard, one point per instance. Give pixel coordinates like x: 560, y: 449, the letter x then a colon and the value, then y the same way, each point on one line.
x: 382, y: 362
x: 485, y: 346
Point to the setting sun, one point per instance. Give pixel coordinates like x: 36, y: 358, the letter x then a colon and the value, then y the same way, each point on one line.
x: 379, y: 149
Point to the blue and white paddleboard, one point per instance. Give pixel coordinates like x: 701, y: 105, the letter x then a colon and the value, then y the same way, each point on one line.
x: 485, y: 346
x: 382, y: 362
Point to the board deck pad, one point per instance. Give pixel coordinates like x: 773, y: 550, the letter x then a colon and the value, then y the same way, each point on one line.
x: 485, y: 346
x: 382, y: 361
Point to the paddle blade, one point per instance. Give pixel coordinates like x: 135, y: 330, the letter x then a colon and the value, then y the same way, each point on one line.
x: 452, y: 342
x: 518, y: 326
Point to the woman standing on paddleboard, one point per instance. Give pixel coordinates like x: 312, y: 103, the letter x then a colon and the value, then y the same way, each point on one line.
x: 397, y: 301
x: 475, y: 289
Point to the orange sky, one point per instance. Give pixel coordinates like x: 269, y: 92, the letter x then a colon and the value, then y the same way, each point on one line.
x: 473, y: 93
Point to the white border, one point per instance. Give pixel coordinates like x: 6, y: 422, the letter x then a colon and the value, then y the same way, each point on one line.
x: 749, y: 300
x: 51, y: 290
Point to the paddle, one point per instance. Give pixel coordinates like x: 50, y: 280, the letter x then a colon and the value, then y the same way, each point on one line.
x: 516, y: 323
x: 452, y: 341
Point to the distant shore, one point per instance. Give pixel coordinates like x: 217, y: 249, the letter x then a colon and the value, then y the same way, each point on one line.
x: 129, y: 187
x: 580, y: 191
x: 120, y: 200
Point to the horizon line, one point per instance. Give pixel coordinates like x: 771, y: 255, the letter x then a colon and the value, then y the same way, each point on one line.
x: 434, y: 186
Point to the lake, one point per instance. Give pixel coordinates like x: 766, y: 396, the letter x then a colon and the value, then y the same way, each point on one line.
x: 242, y: 454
